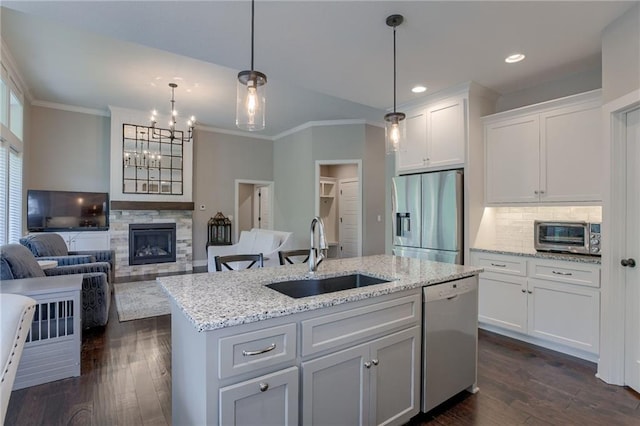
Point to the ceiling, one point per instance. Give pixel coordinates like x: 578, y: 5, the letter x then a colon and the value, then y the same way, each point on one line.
x: 325, y: 60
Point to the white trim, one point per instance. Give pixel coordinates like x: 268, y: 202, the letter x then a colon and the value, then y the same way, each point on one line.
x: 14, y: 74
x: 201, y: 262
x: 71, y: 108
x: 309, y: 124
x: 233, y: 132
x: 268, y: 183
x: 612, y: 323
x: 358, y: 163
x: 590, y: 96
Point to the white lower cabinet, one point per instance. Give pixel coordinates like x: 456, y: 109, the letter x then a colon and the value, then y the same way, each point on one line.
x: 501, y: 302
x: 564, y: 313
x: 271, y: 399
x: 375, y: 383
x: 552, y: 300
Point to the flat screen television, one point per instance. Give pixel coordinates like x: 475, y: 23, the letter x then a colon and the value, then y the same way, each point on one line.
x: 67, y: 211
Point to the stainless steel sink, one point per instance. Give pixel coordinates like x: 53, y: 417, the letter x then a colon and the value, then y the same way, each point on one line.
x: 315, y: 286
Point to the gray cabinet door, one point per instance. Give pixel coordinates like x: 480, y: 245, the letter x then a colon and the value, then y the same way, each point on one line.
x: 395, y: 377
x: 335, y: 388
x: 271, y: 399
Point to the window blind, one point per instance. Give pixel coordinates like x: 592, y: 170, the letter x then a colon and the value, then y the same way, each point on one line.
x: 15, y: 197
x: 3, y: 192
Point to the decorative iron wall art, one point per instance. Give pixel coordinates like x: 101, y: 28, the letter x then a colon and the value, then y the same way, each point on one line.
x: 152, y: 160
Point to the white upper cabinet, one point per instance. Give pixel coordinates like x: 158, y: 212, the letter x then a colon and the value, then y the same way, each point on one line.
x: 436, y: 137
x: 512, y: 158
x: 571, y: 140
x: 446, y: 133
x: 546, y: 153
x: 412, y: 154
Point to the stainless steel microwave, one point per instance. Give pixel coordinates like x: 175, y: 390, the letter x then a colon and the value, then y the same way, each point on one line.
x: 567, y: 237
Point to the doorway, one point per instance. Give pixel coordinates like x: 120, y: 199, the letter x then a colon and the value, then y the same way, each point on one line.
x: 253, y: 205
x: 338, y: 202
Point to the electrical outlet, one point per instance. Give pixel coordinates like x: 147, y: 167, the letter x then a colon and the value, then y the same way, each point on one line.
x: 203, y: 207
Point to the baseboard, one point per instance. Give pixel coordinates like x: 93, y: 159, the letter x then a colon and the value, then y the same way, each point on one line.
x: 539, y: 342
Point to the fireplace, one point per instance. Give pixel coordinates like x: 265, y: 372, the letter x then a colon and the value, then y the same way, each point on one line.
x: 152, y: 243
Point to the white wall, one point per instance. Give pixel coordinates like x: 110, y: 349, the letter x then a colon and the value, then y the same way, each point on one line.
x: 621, y: 56
x: 511, y: 228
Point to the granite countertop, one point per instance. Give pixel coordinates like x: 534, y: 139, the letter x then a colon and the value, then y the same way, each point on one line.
x: 223, y: 299
x: 581, y: 258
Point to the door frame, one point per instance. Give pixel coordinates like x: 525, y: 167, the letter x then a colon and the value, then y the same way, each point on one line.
x: 612, y: 313
x: 358, y: 164
x: 238, y: 182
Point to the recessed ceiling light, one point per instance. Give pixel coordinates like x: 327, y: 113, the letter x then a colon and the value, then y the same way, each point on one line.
x: 419, y: 89
x: 512, y: 59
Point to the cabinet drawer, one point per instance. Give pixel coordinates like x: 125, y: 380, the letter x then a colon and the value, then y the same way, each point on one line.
x: 501, y: 264
x: 258, y: 349
x: 565, y: 272
x: 330, y: 331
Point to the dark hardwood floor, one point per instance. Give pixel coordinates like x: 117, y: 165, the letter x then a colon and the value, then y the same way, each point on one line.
x: 126, y: 380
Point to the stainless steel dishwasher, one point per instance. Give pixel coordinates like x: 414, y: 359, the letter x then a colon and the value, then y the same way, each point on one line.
x: 449, y: 340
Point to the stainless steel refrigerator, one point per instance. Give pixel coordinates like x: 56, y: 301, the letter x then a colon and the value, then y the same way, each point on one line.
x: 428, y: 216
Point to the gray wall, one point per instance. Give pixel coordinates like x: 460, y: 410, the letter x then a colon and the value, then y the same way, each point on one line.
x: 66, y: 151
x: 621, y: 56
x: 374, y: 195
x: 294, y: 175
x: 220, y: 159
x: 567, y: 85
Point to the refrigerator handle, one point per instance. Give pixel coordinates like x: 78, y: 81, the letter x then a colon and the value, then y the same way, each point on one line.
x: 403, y: 224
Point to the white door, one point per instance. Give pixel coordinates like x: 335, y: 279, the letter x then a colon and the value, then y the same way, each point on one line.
x: 632, y: 274
x: 349, y: 212
x: 261, y: 207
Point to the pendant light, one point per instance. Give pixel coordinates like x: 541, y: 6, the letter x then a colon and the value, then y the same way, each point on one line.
x: 394, y: 125
x: 250, y: 100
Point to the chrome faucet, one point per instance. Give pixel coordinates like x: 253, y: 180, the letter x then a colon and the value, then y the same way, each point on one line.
x: 316, y: 254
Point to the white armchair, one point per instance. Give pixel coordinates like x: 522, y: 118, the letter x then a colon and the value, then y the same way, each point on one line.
x: 16, y: 315
x: 265, y: 241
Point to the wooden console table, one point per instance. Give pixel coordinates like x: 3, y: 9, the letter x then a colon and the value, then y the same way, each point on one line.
x: 52, y: 350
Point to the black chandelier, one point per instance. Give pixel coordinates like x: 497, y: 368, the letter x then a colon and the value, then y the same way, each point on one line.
x: 172, y: 133
x: 394, y: 121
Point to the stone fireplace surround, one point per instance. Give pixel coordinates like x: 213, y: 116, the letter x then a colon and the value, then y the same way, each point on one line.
x: 121, y: 216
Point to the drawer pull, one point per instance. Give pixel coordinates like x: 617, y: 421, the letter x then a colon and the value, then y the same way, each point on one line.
x: 498, y: 265
x: 375, y: 361
x: 259, y: 351
x: 367, y: 364
x: 264, y: 387
x: 562, y: 273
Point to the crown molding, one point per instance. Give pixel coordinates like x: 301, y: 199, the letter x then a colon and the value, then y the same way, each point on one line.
x: 310, y: 124
x: 232, y: 132
x: 71, y: 108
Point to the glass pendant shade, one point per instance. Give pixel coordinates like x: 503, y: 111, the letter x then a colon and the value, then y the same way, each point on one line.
x: 250, y: 100
x: 394, y: 131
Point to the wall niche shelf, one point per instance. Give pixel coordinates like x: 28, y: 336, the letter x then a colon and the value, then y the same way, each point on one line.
x: 151, y: 160
x: 327, y: 187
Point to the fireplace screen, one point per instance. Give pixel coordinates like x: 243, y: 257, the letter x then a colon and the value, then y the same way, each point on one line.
x: 152, y: 243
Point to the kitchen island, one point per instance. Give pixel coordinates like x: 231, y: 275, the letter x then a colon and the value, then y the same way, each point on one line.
x: 246, y: 354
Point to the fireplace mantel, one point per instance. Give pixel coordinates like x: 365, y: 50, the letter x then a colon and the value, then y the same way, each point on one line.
x: 151, y: 205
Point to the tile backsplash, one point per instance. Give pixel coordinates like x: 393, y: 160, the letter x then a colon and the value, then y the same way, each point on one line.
x: 514, y: 225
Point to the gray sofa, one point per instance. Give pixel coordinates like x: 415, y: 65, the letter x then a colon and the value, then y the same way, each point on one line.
x: 51, y: 246
x: 16, y: 262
